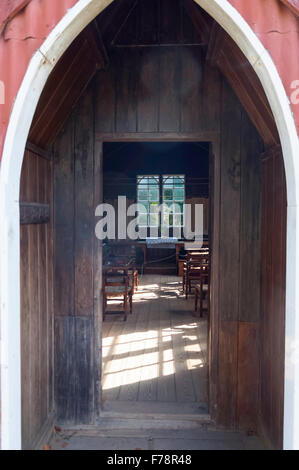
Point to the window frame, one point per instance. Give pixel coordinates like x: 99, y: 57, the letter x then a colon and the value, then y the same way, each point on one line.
x: 182, y: 214
x: 161, y: 183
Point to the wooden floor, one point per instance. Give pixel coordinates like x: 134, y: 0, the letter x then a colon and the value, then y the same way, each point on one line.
x: 159, y: 355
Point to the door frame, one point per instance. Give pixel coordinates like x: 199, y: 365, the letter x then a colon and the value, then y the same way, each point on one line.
x: 213, y: 138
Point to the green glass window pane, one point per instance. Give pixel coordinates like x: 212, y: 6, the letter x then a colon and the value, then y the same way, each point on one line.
x: 179, y: 194
x: 142, y: 195
x: 153, y: 181
x: 154, y: 194
x: 168, y: 194
x: 179, y: 181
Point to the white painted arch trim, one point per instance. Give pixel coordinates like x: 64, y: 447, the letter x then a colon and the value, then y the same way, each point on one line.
x: 36, y: 76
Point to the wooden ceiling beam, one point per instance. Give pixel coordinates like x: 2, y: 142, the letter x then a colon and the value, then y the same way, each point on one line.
x: 216, y: 42
x: 198, y: 19
x: 239, y: 77
x: 110, y: 20
x: 272, y: 152
x: 66, y: 84
x: 224, y: 53
x: 40, y: 152
x: 94, y: 38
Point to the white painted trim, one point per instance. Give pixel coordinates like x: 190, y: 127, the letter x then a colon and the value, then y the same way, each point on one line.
x: 36, y: 76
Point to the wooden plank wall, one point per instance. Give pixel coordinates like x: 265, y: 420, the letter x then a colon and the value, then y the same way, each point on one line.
x: 239, y: 266
x: 274, y: 209
x: 167, y: 89
x: 160, y: 90
x: 37, y: 302
x: 74, y: 271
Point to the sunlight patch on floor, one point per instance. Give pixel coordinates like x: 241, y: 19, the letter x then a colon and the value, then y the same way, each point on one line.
x: 160, y: 341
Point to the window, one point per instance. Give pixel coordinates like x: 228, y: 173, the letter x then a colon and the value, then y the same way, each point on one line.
x: 154, y: 190
x: 148, y: 196
x: 174, y: 199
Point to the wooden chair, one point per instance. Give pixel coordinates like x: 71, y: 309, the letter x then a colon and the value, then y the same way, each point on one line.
x: 117, y: 284
x: 125, y: 253
x: 202, y: 291
x: 196, y: 264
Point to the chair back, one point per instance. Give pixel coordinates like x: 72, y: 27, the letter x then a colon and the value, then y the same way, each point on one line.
x: 116, y: 279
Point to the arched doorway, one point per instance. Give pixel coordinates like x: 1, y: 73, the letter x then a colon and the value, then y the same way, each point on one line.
x: 13, y: 154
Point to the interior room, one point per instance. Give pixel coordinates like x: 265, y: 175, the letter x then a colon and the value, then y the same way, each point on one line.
x: 158, y: 360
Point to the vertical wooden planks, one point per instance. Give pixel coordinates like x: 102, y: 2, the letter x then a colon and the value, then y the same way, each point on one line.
x: 214, y: 230
x: 250, y: 228
x: 50, y: 286
x: 248, y: 376
x: 273, y: 297
x: 83, y: 207
x: 266, y: 290
x: 211, y: 99
x: 230, y: 205
x: 74, y: 224
x: 191, y: 89
x: 170, y: 22
x: 227, y: 373
x: 239, y: 267
x: 148, y: 90
x: 42, y: 293
x: 105, y: 99
x: 148, y: 21
x: 97, y: 280
x: 25, y: 311
x: 84, y: 369
x: 64, y: 221
x: 34, y: 346
x: 36, y: 308
x: 65, y: 368
x: 126, y: 88
x: 170, y: 79
x: 166, y: 89
x: 250, y: 275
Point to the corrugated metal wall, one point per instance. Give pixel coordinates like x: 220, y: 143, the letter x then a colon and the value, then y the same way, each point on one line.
x: 21, y: 37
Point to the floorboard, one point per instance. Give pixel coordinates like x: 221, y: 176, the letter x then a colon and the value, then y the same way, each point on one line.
x: 158, y: 355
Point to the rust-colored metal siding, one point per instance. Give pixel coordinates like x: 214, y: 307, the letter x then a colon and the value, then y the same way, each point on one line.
x: 277, y: 27
x: 21, y: 37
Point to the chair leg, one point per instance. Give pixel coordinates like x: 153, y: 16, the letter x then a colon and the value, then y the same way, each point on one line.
x: 131, y: 303
x: 104, y: 307
x: 125, y: 307
x: 201, y: 305
x: 196, y: 300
